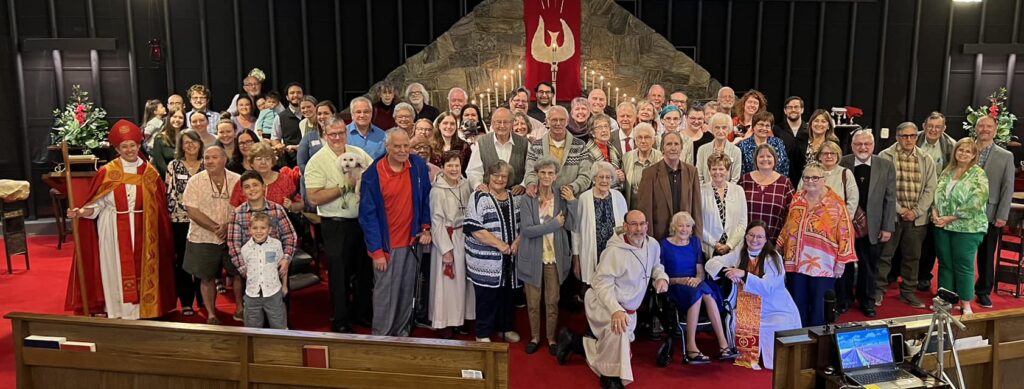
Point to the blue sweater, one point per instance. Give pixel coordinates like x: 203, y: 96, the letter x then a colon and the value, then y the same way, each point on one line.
x: 372, y: 213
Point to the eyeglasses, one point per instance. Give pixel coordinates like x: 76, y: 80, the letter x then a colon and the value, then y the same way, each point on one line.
x: 500, y: 122
x: 812, y: 178
x: 251, y: 84
x: 829, y: 154
x: 262, y: 159
x: 756, y: 237
x: 415, y: 93
x: 676, y: 101
x: 544, y: 92
x: 907, y: 136
x: 245, y: 143
x: 334, y: 135
x: 637, y: 224
x: 792, y: 107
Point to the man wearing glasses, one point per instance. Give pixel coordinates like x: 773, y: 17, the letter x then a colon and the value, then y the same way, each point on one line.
x: 199, y: 97
x: 680, y: 100
x: 207, y: 198
x: 336, y: 198
x: 544, y: 92
x: 628, y: 265
x: 915, y: 190
x: 937, y: 144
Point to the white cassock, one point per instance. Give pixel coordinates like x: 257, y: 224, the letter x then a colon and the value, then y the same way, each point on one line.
x: 778, y: 311
x: 105, y: 211
x: 618, y: 285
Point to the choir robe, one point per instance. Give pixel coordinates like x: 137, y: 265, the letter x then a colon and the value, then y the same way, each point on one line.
x: 618, y: 285
x: 128, y: 288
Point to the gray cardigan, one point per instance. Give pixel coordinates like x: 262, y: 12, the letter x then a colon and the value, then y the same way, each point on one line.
x: 530, y: 264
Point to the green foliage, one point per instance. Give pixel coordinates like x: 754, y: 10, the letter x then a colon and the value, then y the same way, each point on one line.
x: 996, y: 109
x: 80, y: 122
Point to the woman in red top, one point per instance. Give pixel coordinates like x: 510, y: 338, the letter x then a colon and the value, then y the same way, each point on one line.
x: 282, y: 186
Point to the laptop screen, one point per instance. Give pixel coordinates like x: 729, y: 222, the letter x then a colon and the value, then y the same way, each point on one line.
x: 864, y: 347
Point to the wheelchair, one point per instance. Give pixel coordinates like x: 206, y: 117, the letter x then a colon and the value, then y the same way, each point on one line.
x: 670, y: 313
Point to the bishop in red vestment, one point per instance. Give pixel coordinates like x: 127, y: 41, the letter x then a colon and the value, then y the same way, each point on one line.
x: 125, y: 236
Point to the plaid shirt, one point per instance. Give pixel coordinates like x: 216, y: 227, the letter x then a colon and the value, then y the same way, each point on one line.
x: 769, y: 203
x: 908, y: 178
x: 280, y: 229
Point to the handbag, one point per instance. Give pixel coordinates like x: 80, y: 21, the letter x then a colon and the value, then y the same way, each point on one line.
x: 859, y: 218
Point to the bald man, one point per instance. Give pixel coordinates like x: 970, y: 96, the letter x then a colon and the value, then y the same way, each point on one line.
x: 629, y: 263
x: 394, y: 211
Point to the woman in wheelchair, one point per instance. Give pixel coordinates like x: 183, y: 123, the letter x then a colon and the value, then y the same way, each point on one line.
x: 688, y: 289
x: 763, y: 305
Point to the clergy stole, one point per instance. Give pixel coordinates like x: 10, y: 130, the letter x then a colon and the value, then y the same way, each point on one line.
x: 748, y: 324
x: 139, y: 259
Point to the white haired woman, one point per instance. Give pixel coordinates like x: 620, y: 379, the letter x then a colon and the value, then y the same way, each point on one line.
x: 635, y: 161
x: 601, y: 211
x: 721, y: 127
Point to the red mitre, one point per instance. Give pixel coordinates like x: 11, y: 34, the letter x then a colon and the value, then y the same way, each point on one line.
x: 124, y: 130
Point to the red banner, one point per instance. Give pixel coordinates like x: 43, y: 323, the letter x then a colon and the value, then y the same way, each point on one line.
x: 553, y: 37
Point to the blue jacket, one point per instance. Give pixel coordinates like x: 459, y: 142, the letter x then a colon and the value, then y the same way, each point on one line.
x: 372, y: 214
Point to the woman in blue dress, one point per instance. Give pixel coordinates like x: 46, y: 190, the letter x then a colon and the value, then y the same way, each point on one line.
x: 684, y: 262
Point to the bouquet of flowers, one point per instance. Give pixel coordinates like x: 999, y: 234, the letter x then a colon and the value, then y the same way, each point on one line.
x: 80, y: 122
x: 997, y: 110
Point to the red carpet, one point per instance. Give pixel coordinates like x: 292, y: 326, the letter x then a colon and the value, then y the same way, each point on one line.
x: 42, y: 290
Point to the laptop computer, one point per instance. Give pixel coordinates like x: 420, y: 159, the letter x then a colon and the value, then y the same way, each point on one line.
x: 865, y: 357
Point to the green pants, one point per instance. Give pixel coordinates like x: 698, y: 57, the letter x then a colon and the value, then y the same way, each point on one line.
x: 956, y: 251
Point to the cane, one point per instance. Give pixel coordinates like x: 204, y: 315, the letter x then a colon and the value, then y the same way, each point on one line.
x: 416, y: 292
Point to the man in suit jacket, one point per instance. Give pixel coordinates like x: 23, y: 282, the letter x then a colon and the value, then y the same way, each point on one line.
x: 915, y: 191
x: 998, y: 165
x: 286, y: 125
x: 938, y: 145
x: 622, y: 137
x: 668, y: 187
x: 876, y: 182
x: 569, y: 151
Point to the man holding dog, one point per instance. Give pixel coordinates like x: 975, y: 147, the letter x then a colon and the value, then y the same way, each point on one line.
x: 337, y: 203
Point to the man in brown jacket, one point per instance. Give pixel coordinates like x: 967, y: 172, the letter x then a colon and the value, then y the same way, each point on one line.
x: 668, y: 187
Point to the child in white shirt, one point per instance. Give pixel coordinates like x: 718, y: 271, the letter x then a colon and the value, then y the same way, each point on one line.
x: 265, y: 283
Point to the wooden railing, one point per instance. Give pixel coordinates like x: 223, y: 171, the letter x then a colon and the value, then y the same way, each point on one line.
x: 149, y: 355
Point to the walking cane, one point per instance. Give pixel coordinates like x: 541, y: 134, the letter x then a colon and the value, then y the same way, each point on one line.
x: 419, y: 284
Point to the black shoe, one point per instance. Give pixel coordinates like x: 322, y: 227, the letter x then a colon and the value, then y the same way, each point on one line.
x: 665, y: 353
x: 461, y: 330
x: 564, y: 347
x: 532, y: 347
x: 605, y: 382
x: 984, y: 301
x: 842, y: 308
x: 615, y: 383
x: 924, y: 286
x: 343, y: 330
x: 869, y: 311
x: 553, y: 349
x: 362, y: 322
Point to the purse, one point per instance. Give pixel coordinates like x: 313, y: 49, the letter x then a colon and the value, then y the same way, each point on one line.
x: 859, y: 217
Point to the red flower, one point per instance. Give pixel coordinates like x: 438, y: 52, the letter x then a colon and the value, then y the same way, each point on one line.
x: 993, y: 111
x: 80, y: 117
x: 80, y: 108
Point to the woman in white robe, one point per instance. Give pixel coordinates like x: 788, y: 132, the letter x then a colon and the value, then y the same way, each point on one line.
x: 778, y: 311
x: 451, y: 301
x: 586, y: 247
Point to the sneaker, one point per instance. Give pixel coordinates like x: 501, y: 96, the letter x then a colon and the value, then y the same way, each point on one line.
x: 984, y: 301
x: 911, y: 300
x: 511, y: 337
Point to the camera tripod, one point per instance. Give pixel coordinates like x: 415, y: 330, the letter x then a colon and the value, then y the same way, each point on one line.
x: 940, y: 324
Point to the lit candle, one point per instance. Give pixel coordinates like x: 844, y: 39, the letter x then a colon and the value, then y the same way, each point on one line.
x: 602, y: 83
x: 496, y: 102
x: 488, y: 102
x: 584, y: 78
x: 519, y: 73
x: 592, y: 76
x: 616, y: 97
x: 504, y: 87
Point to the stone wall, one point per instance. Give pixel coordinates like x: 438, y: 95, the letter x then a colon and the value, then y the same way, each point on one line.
x: 630, y: 55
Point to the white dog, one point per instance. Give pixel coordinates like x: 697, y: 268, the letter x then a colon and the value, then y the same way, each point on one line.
x: 352, y: 166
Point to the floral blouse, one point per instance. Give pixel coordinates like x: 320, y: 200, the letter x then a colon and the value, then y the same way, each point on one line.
x: 965, y: 199
x: 176, y: 179
x: 817, y: 241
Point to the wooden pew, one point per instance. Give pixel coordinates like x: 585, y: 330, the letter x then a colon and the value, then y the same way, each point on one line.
x: 998, y: 365
x: 149, y: 355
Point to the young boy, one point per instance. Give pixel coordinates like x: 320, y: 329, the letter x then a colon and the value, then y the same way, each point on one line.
x: 265, y: 122
x: 264, y: 281
x: 280, y: 228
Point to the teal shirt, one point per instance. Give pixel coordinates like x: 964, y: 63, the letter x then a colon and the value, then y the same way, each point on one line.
x: 967, y: 200
x: 265, y: 123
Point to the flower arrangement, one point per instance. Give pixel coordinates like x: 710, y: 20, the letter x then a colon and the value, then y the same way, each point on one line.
x: 80, y: 122
x: 997, y: 110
